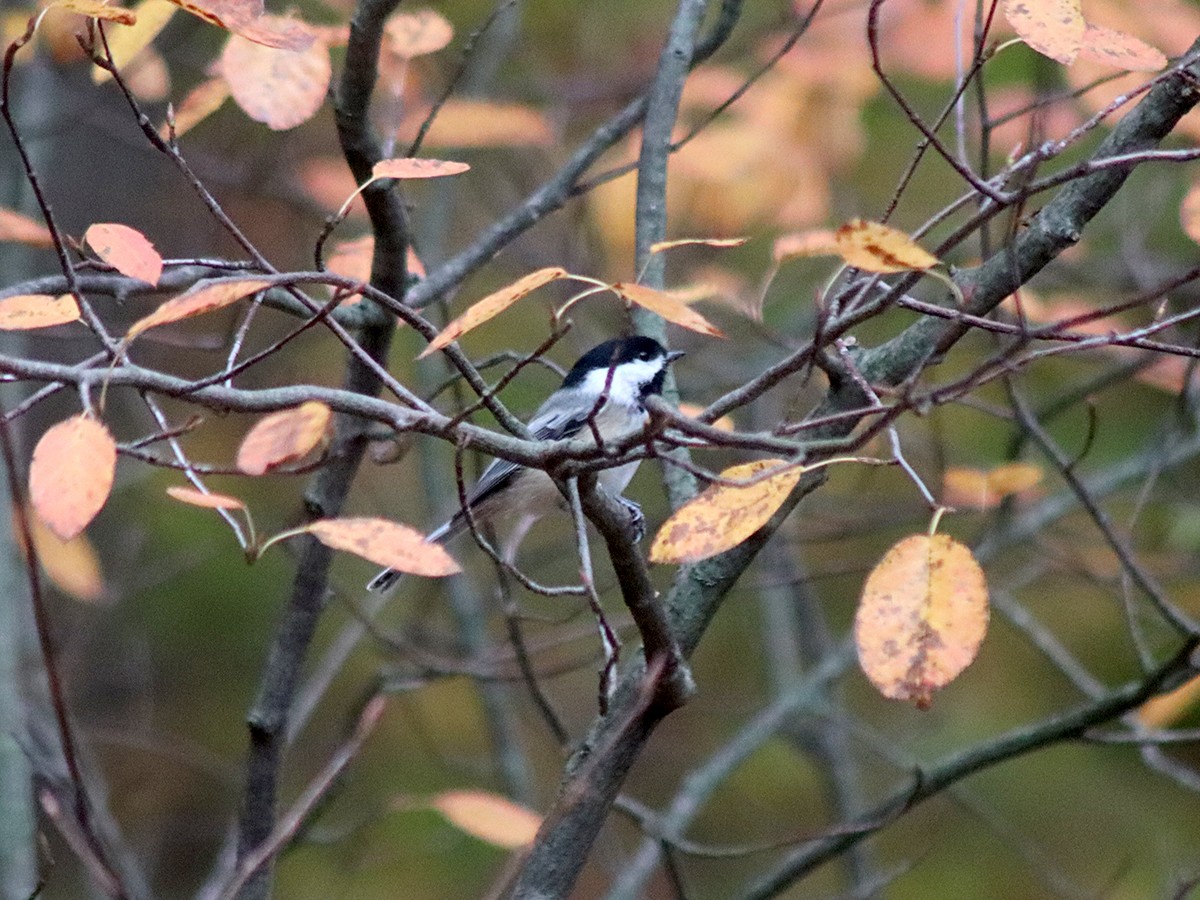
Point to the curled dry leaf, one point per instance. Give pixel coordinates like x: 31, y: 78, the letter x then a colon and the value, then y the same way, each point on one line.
x: 98, y: 10
x: 73, y: 566
x: 205, y: 297
x: 193, y: 497
x: 963, y: 486
x: 71, y: 474
x: 489, y: 817
x: 1166, y: 709
x: 724, y: 515
x: 23, y: 230
x: 875, y: 247
x: 201, y: 102
x: 279, y: 87
x: 922, y: 617
x: 245, y: 18
x: 284, y: 437
x: 125, y: 249
x: 706, y: 242
x: 492, y: 305
x: 417, y: 33
x: 386, y: 544
x: 817, y: 242
x: 414, y: 167
x: 126, y: 43
x: 669, y: 307
x: 1054, y: 28
x: 28, y: 311
x: 1124, y: 51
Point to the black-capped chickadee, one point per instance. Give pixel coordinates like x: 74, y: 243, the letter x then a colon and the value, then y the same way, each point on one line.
x: 624, y: 372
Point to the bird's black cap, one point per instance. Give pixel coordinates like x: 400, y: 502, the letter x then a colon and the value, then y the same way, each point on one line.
x: 613, y: 353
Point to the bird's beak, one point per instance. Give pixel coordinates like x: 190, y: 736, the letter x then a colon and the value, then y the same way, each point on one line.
x: 674, y: 355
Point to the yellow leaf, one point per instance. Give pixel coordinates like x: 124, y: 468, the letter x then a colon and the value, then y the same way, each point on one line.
x: 1166, y: 709
x: 203, y: 298
x: 489, y: 817
x: 386, y: 544
x: 27, y: 311
x: 875, y: 247
x: 464, y: 122
x: 23, y: 230
x: 71, y: 474
x: 963, y: 487
x: 126, y: 43
x: 1124, y: 51
x: 670, y: 308
x: 725, y: 515
x: 98, y: 10
x: 1013, y: 478
x: 706, y: 242
x: 1054, y: 28
x: 413, y: 167
x: 283, y: 437
x: 922, y: 617
x: 125, y: 249
x: 73, y: 566
x: 193, y: 497
x: 417, y: 33
x: 279, y: 87
x: 492, y: 305
x: 201, y: 102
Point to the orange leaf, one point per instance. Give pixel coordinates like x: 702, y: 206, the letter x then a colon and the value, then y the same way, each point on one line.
x: 147, y: 77
x: 492, y: 305
x: 984, y: 490
x: 691, y: 410
x: 670, y: 308
x: 23, y: 230
x: 489, y: 817
x: 1166, y: 709
x: 725, y: 515
x: 880, y: 248
x: 922, y: 617
x: 126, y: 43
x: 1053, y: 28
x: 193, y: 497
x: 125, y: 249
x: 817, y: 242
x: 707, y: 242
x: 278, y: 87
x: 1014, y: 477
x: 71, y: 474
x: 73, y: 566
x: 98, y: 10
x: 413, y: 167
x: 386, y: 544
x: 245, y: 18
x: 283, y: 437
x: 1124, y: 51
x: 464, y: 122
x: 1189, y: 212
x: 201, y: 102
x: 28, y: 311
x: 203, y: 298
x: 417, y: 33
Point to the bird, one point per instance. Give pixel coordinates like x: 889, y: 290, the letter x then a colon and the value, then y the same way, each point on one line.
x: 607, y: 386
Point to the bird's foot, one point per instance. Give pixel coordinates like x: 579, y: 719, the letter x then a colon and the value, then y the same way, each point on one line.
x: 637, y: 520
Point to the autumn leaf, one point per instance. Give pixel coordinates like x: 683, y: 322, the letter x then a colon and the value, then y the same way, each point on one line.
x: 1166, y: 709
x: 28, y: 311
x: 98, y: 10
x: 205, y: 297
x: 23, y: 230
x: 245, y: 18
x: 492, y: 305
x: 72, y: 566
x: 417, y: 33
x: 815, y: 242
x: 875, y: 247
x: 71, y: 474
x: 284, y: 437
x: 386, y: 544
x: 720, y: 243
x: 124, y: 44
x: 1054, y: 28
x: 724, y: 515
x: 279, y: 87
x: 965, y: 486
x: 464, y: 122
x: 414, y: 167
x: 691, y: 410
x: 489, y: 817
x: 206, y: 500
x: 125, y: 249
x: 1123, y: 51
x: 1189, y: 213
x: 669, y: 307
x: 922, y: 617
x: 201, y: 102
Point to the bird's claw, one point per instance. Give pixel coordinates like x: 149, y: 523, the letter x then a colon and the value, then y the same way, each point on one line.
x: 637, y: 520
